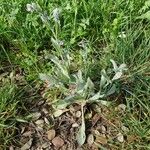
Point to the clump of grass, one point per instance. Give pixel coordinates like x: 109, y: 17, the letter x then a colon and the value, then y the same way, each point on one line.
x: 12, y: 108
x: 8, y: 111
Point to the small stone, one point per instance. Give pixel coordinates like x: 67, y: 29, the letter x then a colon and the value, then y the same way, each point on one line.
x: 120, y: 137
x: 96, y: 132
x: 51, y: 134
x: 103, y: 129
x: 27, y: 134
x: 122, y: 107
x: 58, y: 113
x: 45, y: 111
x: 27, y: 145
x: 11, y: 148
x: 40, y: 103
x: 45, y: 145
x: 39, y: 129
x: 36, y: 115
x: 75, y: 125
x: 90, y: 139
x: 125, y: 129
x: 78, y: 114
x: 58, y: 142
x: 39, y: 122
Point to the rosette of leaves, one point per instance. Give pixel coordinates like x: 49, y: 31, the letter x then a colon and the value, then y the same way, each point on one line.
x: 75, y: 88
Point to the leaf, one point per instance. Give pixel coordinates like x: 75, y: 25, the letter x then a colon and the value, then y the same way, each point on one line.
x: 51, y: 134
x: 103, y: 73
x: 89, y: 84
x: 122, y: 67
x: 105, y: 103
x: 51, y: 80
x: 117, y: 76
x: 62, y: 68
x: 112, y: 90
x: 97, y: 96
x: 81, y: 133
x: 27, y: 145
x: 61, y: 104
x: 103, y: 81
x: 80, y: 77
x: 114, y: 64
x: 21, y: 120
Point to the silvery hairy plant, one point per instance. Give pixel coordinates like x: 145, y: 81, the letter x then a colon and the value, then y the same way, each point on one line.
x: 78, y: 89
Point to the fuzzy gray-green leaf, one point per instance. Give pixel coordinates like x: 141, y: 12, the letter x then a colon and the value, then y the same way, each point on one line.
x: 81, y: 136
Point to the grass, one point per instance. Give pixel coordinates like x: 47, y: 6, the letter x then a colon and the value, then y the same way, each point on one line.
x: 26, y: 43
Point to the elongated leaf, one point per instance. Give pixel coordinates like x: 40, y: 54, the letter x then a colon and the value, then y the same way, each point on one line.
x: 62, y: 104
x: 103, y: 81
x: 112, y: 90
x: 97, y: 96
x: 80, y: 77
x: 81, y: 136
x: 117, y: 76
x: 21, y: 120
x: 122, y: 67
x: 89, y: 85
x: 114, y: 64
x: 103, y: 73
x: 51, y: 80
x: 63, y: 69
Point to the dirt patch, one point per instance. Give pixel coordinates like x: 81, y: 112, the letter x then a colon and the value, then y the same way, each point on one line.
x: 104, y: 129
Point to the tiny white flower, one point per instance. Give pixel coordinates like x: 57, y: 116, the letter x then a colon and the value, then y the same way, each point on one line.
x: 56, y: 13
x: 122, y: 35
x: 31, y: 7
